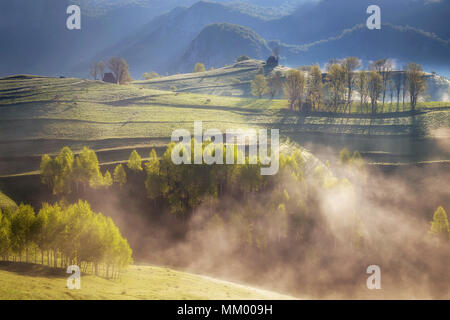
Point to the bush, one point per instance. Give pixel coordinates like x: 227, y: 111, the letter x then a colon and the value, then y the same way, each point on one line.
x: 242, y: 58
x: 199, y: 67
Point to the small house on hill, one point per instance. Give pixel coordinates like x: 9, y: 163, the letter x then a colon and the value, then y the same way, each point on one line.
x: 109, y: 77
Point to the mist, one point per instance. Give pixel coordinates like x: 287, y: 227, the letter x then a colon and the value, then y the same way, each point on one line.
x: 373, y: 216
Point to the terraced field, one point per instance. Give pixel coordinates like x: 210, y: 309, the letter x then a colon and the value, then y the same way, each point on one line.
x: 41, y: 115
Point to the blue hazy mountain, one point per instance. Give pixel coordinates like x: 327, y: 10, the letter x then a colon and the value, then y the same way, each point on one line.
x: 158, y: 34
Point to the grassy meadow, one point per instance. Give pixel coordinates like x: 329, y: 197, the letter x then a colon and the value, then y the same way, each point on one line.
x: 41, y: 115
x: 36, y: 282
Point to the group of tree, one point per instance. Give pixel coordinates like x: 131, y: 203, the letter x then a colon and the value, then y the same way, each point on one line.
x: 67, y: 172
x: 60, y: 235
x: 118, y: 66
x: 150, y: 76
x: 308, y: 89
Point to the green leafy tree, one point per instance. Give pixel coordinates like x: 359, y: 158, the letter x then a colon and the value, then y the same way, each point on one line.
x: 149, y: 76
x: 120, y: 176
x: 259, y: 86
x: 21, y: 229
x: 199, y: 67
x: 153, y: 181
x: 135, y: 161
x: 86, y: 169
x: 107, y: 179
x: 439, y: 225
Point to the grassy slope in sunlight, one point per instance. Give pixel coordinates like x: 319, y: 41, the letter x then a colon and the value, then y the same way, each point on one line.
x: 28, y: 281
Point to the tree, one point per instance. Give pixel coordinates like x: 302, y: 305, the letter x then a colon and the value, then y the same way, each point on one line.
x: 86, y: 169
x: 349, y: 65
x: 315, y: 87
x: 416, y: 83
x: 375, y: 87
x: 21, y: 229
x: 274, y: 84
x: 101, y: 68
x: 107, y: 179
x: 5, y: 235
x: 259, y: 86
x: 120, y: 69
x: 94, y: 71
x: 398, y: 83
x: 135, y: 161
x: 199, y: 67
x: 362, y: 87
x: 439, y: 225
x: 336, y: 83
x: 153, y: 181
x: 57, y: 172
x: 294, y: 88
x: 384, y: 68
x: 242, y: 58
x: 149, y: 76
x: 120, y: 176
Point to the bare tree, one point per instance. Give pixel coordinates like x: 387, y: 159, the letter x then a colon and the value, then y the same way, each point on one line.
x: 120, y: 69
x: 101, y: 68
x: 294, y: 88
x: 315, y: 86
x: 274, y: 84
x: 416, y: 83
x: 361, y: 85
x: 384, y: 67
x: 94, y: 71
x: 336, y: 84
x: 398, y: 83
x: 349, y: 65
x: 375, y: 86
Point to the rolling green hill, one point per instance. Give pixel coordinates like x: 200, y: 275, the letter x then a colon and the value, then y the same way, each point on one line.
x: 41, y: 115
x: 30, y: 282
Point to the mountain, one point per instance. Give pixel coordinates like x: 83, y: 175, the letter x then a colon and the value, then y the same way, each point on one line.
x: 327, y: 18
x: 220, y: 44
x: 401, y: 44
x: 154, y: 35
x: 160, y: 44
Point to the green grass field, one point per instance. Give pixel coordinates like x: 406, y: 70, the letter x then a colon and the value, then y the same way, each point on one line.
x: 41, y: 115
x: 29, y: 282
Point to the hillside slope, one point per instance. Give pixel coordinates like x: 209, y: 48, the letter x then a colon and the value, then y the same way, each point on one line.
x: 34, y: 282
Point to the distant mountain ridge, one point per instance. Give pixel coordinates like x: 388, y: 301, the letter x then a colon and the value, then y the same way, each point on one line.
x: 150, y: 40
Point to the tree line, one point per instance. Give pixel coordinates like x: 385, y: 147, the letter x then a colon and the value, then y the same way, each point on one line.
x: 240, y: 201
x: 60, y: 235
x: 309, y: 90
